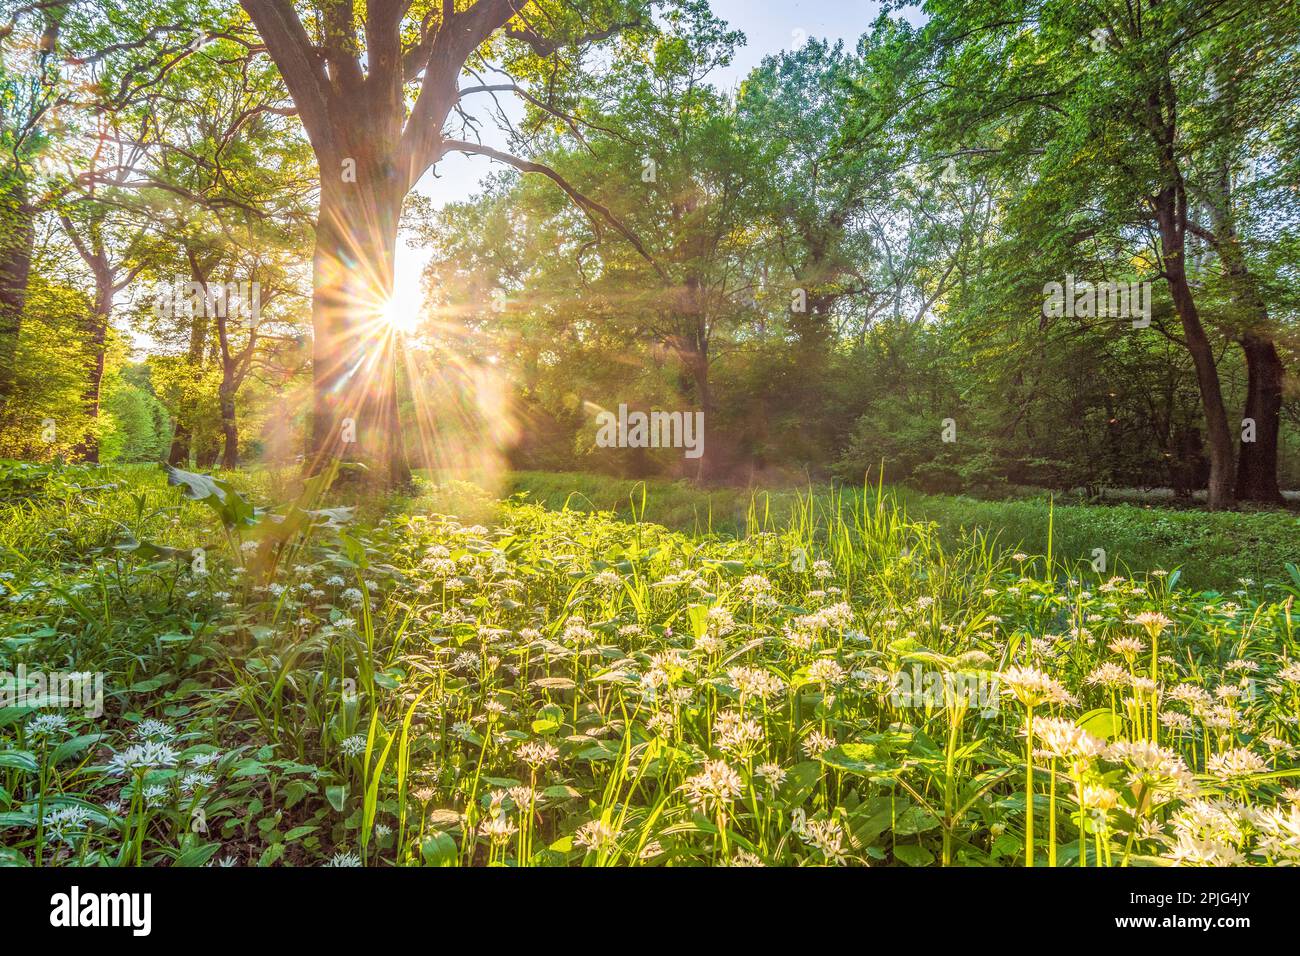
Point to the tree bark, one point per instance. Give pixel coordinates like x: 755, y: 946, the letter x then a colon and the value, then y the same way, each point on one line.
x: 229, y: 429
x: 87, y: 449
x: 358, y: 115
x: 1170, y: 206
x: 707, y: 466
x: 355, y: 415
x: 16, y: 243
x: 179, y: 454
x: 183, y: 433
x: 1257, y: 462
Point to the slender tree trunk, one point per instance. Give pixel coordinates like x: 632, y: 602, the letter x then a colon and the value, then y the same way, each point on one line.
x: 87, y: 449
x: 1171, y: 218
x: 17, y: 236
x: 706, y: 466
x: 183, y: 434
x: 229, y: 428
x: 179, y: 454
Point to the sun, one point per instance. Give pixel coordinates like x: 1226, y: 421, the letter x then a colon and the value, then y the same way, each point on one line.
x: 401, y: 313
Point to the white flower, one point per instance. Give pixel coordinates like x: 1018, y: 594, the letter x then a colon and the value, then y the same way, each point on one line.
x: 341, y: 858
x: 595, y: 835
x: 1233, y: 764
x: 824, y: 670
x: 1031, y: 686
x: 61, y: 824
x: 149, y: 755
x: 715, y: 788
x: 827, y: 837
x: 47, y: 725
x: 150, y: 728
x: 537, y: 754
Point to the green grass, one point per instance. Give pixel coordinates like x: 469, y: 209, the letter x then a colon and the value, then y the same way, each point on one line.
x: 1213, y: 550
x: 526, y: 685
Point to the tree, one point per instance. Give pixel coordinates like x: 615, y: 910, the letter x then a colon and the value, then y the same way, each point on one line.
x: 349, y: 80
x: 1049, y: 89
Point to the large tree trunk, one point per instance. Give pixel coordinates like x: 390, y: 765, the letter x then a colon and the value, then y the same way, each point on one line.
x: 1257, y: 464
x: 355, y: 413
x: 1171, y: 218
x: 1257, y: 459
x: 17, y: 235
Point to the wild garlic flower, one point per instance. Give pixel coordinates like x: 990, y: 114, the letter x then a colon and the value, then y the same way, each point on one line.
x: 715, y: 788
x: 595, y: 835
x: 537, y: 754
x: 1031, y: 686
x: 498, y: 828
x: 1236, y: 764
x: 342, y: 858
x: 150, y: 728
x: 755, y: 682
x: 1153, y: 622
x: 1108, y: 675
x: 826, y: 671
x: 1127, y: 647
x: 353, y: 746
x: 827, y: 837
x: 64, y: 823
x: 817, y: 743
x: 138, y: 758
x: 736, y: 735
x: 1064, y: 740
x: 47, y: 725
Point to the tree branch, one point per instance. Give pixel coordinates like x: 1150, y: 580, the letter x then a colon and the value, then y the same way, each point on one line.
x: 589, y: 206
x: 299, y: 64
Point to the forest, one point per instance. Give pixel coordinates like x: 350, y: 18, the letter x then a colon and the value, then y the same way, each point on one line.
x: 617, y: 433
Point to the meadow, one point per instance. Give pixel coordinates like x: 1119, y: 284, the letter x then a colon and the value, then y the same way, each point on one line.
x: 449, y: 679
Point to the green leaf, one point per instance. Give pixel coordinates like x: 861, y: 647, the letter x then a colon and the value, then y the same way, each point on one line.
x: 19, y: 760
x: 438, y: 849
x: 913, y: 855
x: 1102, y: 722
x: 218, y: 495
x: 915, y: 819
x: 858, y: 758
x: 336, y: 795
x: 197, y: 855
x: 73, y: 747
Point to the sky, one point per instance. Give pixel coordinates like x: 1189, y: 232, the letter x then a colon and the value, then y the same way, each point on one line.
x: 769, y: 26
